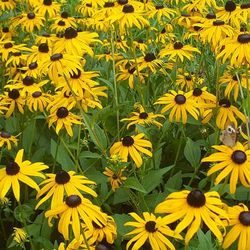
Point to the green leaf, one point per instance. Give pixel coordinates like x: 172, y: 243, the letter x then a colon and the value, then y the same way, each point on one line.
x: 133, y: 183
x: 192, y: 153
x: 23, y: 212
x: 61, y: 156
x: 120, y: 220
x: 175, y: 182
x: 120, y: 196
x: 88, y: 154
x: 154, y: 178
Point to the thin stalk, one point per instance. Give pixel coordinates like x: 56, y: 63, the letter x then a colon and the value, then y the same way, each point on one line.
x: 54, y: 162
x: 85, y: 239
x: 115, y: 86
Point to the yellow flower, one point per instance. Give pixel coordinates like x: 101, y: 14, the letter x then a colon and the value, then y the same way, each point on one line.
x: 239, y: 221
x: 178, y: 50
x: 115, y: 177
x: 63, y: 182
x: 19, y: 235
x: 74, y: 211
x: 143, y: 118
x: 37, y: 101
x: 193, y: 207
x: 132, y: 145
x: 63, y: 119
x: 7, y: 139
x: 227, y: 113
x: 180, y: 104
x: 46, y: 7
x: 231, y: 160
x: 151, y: 228
x: 19, y: 170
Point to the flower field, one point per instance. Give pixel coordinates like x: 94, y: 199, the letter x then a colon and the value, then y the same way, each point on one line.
x: 124, y: 124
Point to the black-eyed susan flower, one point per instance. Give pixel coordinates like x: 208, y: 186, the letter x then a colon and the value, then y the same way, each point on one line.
x: 47, y: 7
x: 104, y: 232
x: 150, y: 228
x: 180, y: 104
x: 33, y: 70
x: 193, y: 208
x: 8, y: 47
x: 27, y: 85
x: 7, y: 5
x: 108, y: 9
x: 63, y: 119
x: 229, y: 13
x: 132, y: 146
x: 143, y: 118
x: 236, y: 49
x: 47, y: 38
x: 162, y: 13
x: 39, y: 54
x: 19, y: 235
x: 30, y: 21
x: 19, y: 170
x: 13, y: 100
x: 128, y: 18
x: 187, y: 81
x: 16, y: 59
x: 239, y: 222
x: 37, y: 101
x: 231, y: 160
x: 86, y: 8
x: 74, y: 211
x: 178, y: 50
x: 115, y: 178
x: 228, y: 113
x: 76, y: 43
x: 60, y: 64
x: 63, y: 182
x: 214, y: 31
x: 7, y: 139
x: 149, y: 61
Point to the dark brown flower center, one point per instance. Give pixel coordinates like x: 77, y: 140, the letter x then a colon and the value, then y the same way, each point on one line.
x: 108, y: 4
x: 188, y: 78
x: 31, y: 15
x: 235, y: 78
x: 210, y: 16
x: 128, y: 8
x: 196, y: 199
x: 140, y: 41
x: 62, y: 112
x: 14, y: 94
x: 115, y: 177
x: 37, y: 94
x: 28, y: 81
x: 159, y: 7
x: 12, y: 168
x: 122, y: 2
x: 230, y: 6
x: 62, y: 177
x: 70, y: 33
x: 33, y: 65
x: 56, y: 57
x: 131, y: 70
x: 180, y: 99
x: 245, y: 6
x: 243, y: 38
x: 244, y: 218
x: 197, y: 28
x: 197, y: 92
x: 163, y: 31
x: 127, y: 141
x: 178, y: 45
x: 89, y: 5
x: 8, y: 45
x: 76, y: 75
x: 239, y: 157
x: 143, y: 115
x: 149, y: 57
x: 17, y: 53
x: 47, y: 2
x: 73, y: 200
x: 218, y: 23
x: 5, y: 29
x: 225, y: 103
x: 61, y: 23
x: 95, y: 225
x: 5, y: 135
x: 150, y: 226
x: 43, y: 47
x: 65, y: 14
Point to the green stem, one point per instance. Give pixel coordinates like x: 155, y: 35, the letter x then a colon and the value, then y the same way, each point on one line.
x: 115, y: 86
x: 85, y: 239
x: 54, y: 162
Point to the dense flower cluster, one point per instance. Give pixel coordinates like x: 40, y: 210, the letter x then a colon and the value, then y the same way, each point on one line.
x: 97, y: 94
